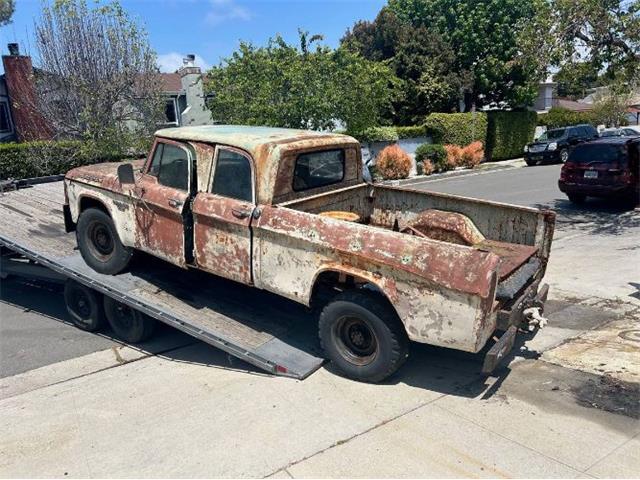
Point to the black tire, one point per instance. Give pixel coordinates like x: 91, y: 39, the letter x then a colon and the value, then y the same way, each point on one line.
x: 531, y: 163
x: 362, y: 336
x: 564, y: 155
x: 128, y: 324
x: 84, y: 306
x: 576, y: 198
x: 99, y: 243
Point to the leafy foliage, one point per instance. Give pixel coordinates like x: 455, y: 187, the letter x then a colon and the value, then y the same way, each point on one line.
x: 575, y: 79
x: 412, y: 131
x: 425, y: 167
x: 393, y: 163
x: 288, y: 86
x: 508, y: 133
x: 41, y: 158
x: 7, y: 7
x: 435, y: 154
x: 376, y: 134
x: 456, y: 128
x: 562, y: 117
x: 472, y: 155
x: 454, y: 156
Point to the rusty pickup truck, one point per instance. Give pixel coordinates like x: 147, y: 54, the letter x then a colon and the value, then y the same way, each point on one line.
x: 288, y: 211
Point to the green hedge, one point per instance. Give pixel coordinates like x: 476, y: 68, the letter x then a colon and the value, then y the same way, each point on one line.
x: 376, y: 134
x: 411, y: 132
x: 41, y: 158
x: 435, y: 153
x: 508, y: 133
x: 456, y: 128
x: 562, y: 117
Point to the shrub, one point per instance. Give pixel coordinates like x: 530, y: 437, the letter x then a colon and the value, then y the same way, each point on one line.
x: 562, y: 117
x: 454, y: 156
x: 508, y: 133
x: 41, y: 158
x: 456, y: 128
x: 435, y: 153
x: 393, y: 163
x: 472, y: 155
x: 376, y: 134
x: 411, y: 132
x: 425, y: 167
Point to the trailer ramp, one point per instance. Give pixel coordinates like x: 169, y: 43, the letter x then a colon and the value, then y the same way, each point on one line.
x: 260, y: 328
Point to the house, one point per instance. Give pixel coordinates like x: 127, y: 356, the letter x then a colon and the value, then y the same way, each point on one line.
x: 546, y: 93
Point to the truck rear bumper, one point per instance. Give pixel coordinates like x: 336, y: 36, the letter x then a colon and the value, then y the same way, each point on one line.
x: 510, y: 320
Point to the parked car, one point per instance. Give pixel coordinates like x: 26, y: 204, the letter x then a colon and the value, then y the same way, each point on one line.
x: 607, y: 167
x: 619, y: 132
x: 555, y: 145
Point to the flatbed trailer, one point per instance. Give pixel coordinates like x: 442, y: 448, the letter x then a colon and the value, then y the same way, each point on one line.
x: 256, y: 326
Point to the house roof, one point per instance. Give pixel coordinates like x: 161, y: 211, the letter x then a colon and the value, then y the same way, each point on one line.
x: 572, y: 105
x: 171, y: 82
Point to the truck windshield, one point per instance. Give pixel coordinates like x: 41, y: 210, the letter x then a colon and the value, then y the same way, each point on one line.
x: 552, y: 134
x: 598, y: 154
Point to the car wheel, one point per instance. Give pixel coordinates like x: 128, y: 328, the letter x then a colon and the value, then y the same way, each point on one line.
x: 576, y: 198
x: 362, y: 336
x: 531, y: 163
x: 564, y: 155
x: 84, y: 306
x: 99, y: 243
x: 128, y: 324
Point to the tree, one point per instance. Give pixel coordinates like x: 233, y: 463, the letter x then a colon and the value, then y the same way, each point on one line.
x: 484, y: 34
x: 97, y: 77
x: 575, y: 79
x: 299, y: 87
x: 7, y: 7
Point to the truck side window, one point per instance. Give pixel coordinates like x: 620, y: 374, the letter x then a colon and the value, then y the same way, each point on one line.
x: 233, y: 177
x: 170, y: 164
x: 317, y: 169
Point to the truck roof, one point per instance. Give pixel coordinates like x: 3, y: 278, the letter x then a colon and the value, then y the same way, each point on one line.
x: 241, y: 136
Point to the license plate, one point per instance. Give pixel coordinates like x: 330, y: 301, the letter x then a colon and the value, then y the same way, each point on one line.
x: 590, y: 174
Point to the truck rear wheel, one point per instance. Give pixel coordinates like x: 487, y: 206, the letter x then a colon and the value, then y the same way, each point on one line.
x: 84, y: 306
x: 362, y: 336
x: 99, y: 243
x: 128, y: 324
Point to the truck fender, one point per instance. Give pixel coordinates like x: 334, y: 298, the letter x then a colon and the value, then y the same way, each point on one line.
x: 89, y: 200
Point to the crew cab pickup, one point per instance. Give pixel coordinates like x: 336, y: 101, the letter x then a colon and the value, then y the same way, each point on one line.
x: 288, y: 211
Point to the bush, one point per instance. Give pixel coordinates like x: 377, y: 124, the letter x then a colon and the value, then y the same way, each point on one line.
x: 393, y: 163
x: 508, y: 133
x: 456, y: 128
x: 562, y: 117
x: 41, y: 158
x: 434, y: 153
x: 454, y: 156
x: 472, y: 155
x: 376, y: 134
x: 425, y: 167
x: 411, y: 132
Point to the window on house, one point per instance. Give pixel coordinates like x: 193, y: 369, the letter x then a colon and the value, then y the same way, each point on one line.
x: 317, y: 169
x: 170, y: 113
x: 233, y: 176
x: 5, y: 123
x: 170, y: 164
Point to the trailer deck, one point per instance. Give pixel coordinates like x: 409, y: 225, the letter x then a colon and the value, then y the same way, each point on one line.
x: 260, y: 328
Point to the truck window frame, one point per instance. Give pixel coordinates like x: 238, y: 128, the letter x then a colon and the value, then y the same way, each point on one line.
x: 190, y: 166
x: 295, y: 165
x: 214, y: 171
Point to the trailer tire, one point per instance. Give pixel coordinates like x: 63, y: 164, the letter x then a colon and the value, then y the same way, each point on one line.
x: 84, y: 306
x: 362, y: 336
x: 127, y: 323
x: 99, y: 243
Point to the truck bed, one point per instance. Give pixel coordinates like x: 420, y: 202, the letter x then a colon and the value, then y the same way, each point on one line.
x: 258, y: 327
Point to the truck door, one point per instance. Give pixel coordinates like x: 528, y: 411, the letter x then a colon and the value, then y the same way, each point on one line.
x: 162, y: 208
x: 222, y: 217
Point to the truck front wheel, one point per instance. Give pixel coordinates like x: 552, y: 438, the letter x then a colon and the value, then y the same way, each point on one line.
x: 99, y: 243
x: 362, y: 336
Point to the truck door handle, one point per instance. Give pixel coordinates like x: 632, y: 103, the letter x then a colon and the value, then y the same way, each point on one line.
x: 238, y: 213
x: 175, y: 203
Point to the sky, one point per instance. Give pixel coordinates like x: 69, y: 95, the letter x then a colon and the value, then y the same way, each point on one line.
x: 212, y: 29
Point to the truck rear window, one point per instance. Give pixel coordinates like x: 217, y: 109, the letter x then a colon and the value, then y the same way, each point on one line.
x: 317, y: 169
x: 597, y: 153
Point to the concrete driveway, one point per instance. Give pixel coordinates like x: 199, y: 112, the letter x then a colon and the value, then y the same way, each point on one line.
x: 179, y: 408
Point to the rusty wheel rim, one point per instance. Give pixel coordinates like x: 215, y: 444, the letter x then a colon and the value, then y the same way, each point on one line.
x: 356, y: 340
x: 101, y: 240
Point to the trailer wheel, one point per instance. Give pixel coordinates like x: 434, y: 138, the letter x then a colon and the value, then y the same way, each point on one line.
x: 128, y: 324
x: 362, y: 336
x: 84, y: 306
x: 99, y: 243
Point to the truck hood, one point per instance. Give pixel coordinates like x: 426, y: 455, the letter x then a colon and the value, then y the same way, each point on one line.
x: 103, y: 175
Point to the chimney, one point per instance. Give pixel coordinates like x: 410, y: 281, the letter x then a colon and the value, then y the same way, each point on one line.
x: 196, y: 112
x: 18, y: 73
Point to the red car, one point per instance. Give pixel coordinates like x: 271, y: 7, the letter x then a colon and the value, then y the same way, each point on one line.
x: 607, y: 167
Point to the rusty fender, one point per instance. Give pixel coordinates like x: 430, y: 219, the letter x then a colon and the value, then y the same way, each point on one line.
x: 443, y: 293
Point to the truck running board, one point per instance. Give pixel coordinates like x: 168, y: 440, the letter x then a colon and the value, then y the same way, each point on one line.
x: 260, y: 328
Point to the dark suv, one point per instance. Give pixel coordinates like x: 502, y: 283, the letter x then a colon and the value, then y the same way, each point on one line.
x: 608, y: 167
x: 556, y: 144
